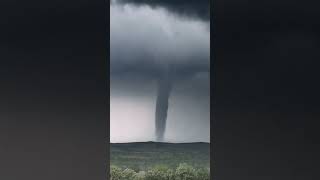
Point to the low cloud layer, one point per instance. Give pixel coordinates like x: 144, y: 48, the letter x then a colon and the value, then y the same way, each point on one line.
x: 196, y: 9
x: 143, y: 39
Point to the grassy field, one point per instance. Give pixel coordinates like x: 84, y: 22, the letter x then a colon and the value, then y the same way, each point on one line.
x: 146, y: 155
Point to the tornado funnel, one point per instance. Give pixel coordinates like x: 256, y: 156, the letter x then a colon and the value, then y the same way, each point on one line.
x: 162, y: 104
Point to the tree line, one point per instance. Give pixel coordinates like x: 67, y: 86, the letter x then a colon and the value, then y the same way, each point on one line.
x: 182, y: 172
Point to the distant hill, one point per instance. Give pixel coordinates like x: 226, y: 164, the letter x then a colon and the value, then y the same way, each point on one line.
x: 144, y: 155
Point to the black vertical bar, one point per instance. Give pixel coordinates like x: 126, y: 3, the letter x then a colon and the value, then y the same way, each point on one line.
x: 53, y: 93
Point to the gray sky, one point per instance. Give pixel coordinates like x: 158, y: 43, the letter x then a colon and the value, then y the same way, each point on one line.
x: 143, y: 39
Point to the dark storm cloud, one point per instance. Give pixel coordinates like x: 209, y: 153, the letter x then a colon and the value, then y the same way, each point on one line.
x: 190, y: 9
x: 161, y: 39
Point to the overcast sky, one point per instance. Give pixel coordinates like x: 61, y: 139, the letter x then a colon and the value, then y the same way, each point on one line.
x: 143, y: 39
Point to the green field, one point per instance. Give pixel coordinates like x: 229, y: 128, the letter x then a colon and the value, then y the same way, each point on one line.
x: 146, y: 155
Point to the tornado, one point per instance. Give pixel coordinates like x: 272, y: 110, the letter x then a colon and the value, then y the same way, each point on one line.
x: 162, y: 103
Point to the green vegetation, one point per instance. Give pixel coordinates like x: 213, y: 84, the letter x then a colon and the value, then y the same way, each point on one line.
x: 160, y: 161
x: 182, y: 172
x: 145, y: 155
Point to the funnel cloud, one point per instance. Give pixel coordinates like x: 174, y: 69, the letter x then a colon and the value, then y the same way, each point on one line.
x: 160, y: 65
x: 162, y: 104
